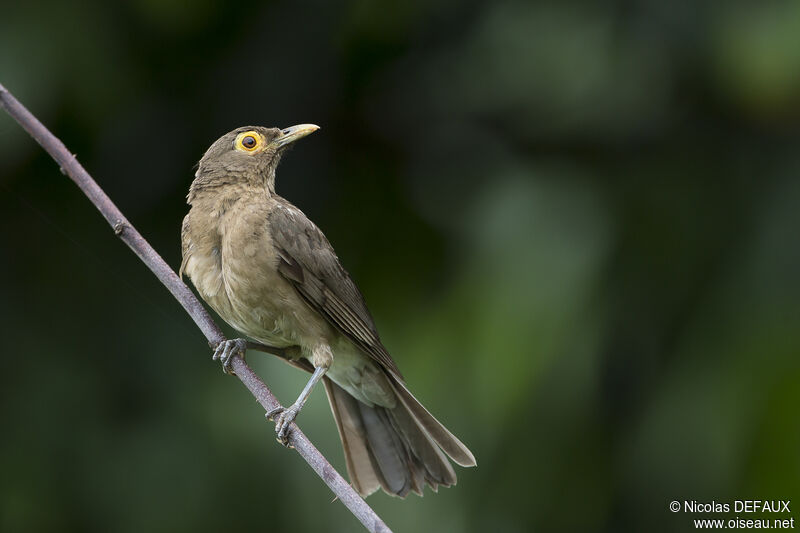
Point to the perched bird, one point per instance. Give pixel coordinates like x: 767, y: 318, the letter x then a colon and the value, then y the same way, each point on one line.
x: 272, y: 275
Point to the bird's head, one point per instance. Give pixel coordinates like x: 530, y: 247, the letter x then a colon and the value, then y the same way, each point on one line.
x: 247, y: 153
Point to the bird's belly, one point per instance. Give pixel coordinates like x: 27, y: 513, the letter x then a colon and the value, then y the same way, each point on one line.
x: 258, y: 304
x: 266, y: 307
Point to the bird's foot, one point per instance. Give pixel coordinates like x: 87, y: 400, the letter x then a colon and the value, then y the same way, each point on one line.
x: 226, y: 350
x: 283, y: 417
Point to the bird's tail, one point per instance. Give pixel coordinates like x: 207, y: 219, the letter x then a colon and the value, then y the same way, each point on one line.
x: 398, y: 449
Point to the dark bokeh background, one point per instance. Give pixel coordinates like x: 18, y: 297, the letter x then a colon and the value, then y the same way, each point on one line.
x: 576, y: 225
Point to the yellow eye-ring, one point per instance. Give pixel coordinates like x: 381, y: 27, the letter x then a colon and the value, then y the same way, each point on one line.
x: 249, y: 141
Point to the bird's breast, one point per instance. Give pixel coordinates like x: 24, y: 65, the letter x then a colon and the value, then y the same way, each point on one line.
x: 234, y: 266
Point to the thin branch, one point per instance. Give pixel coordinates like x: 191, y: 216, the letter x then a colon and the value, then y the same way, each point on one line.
x: 125, y: 231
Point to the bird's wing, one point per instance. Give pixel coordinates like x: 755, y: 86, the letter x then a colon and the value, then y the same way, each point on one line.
x: 308, y: 261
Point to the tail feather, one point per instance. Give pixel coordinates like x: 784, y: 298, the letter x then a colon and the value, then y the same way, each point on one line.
x: 386, y: 449
x: 363, y: 475
x: 453, y: 447
x: 437, y: 469
x: 394, y: 448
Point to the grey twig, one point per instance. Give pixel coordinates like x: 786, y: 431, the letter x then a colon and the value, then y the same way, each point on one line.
x: 124, y: 230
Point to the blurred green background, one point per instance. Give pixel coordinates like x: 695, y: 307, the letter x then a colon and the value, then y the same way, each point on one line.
x: 575, y: 223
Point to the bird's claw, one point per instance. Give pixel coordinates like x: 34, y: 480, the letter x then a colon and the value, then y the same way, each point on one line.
x: 226, y: 350
x: 283, y: 417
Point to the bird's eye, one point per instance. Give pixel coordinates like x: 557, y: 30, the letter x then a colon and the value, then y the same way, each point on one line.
x: 248, y: 141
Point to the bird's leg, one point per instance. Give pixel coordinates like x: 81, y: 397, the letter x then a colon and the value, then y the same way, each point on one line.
x: 226, y: 350
x: 285, y: 416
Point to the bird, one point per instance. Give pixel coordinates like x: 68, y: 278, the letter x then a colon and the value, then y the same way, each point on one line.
x: 271, y: 274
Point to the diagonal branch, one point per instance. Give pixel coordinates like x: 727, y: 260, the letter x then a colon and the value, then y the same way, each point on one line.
x: 125, y: 231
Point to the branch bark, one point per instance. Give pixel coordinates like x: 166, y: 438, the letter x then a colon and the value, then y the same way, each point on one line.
x: 125, y: 231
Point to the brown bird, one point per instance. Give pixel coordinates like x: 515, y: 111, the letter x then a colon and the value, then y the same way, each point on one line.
x: 271, y: 274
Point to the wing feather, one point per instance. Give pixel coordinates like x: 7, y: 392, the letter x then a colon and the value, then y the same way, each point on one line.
x: 309, y: 262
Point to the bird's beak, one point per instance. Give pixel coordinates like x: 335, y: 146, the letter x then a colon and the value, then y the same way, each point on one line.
x: 289, y: 135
